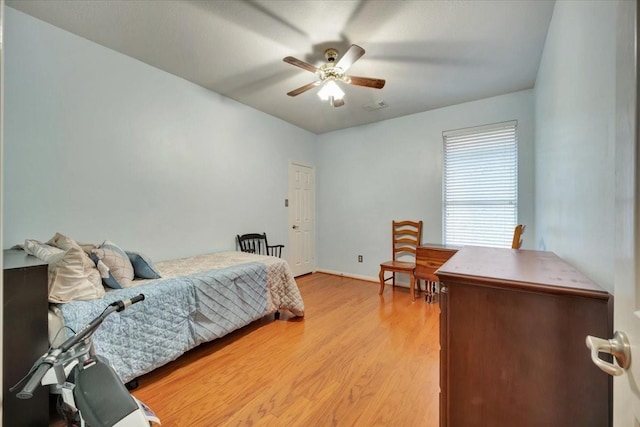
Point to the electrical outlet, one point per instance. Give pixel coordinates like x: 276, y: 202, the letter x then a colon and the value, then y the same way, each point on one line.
x: 359, y: 258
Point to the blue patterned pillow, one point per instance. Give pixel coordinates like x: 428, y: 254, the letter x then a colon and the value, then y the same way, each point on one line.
x: 114, y: 265
x: 142, y: 266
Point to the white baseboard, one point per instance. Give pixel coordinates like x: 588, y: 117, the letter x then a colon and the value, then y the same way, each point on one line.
x: 359, y: 277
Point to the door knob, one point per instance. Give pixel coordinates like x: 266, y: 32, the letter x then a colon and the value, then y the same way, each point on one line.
x: 295, y: 227
x: 618, y: 346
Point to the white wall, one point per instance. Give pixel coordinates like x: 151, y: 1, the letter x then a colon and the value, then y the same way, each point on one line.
x: 575, y: 130
x: 370, y: 175
x: 98, y: 145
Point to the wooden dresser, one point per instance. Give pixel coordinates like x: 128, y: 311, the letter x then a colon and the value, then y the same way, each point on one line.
x: 429, y: 258
x: 25, y: 338
x: 512, y: 335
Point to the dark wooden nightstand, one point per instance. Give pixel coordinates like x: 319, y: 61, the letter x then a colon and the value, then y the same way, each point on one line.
x: 24, y: 335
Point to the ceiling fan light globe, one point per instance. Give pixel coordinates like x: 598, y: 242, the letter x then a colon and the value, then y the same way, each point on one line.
x: 330, y: 89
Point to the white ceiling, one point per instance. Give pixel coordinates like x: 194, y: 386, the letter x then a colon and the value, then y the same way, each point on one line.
x: 431, y: 53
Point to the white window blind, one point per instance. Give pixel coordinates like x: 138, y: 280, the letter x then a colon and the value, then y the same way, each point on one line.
x: 481, y: 185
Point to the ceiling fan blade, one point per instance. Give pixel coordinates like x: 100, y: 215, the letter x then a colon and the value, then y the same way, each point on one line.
x: 337, y: 102
x: 350, y: 56
x: 303, y: 89
x: 366, y: 81
x: 298, y: 63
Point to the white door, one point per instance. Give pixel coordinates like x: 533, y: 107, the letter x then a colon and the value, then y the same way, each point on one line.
x: 626, y: 392
x: 626, y: 318
x: 301, y: 219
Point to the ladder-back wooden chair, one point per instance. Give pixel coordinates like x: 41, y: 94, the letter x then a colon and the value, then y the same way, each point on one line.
x: 406, y: 237
x: 257, y: 244
x: 517, y: 234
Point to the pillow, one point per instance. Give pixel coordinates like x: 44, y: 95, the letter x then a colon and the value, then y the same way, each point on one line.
x: 29, y: 246
x: 63, y: 242
x: 87, y: 247
x: 40, y: 250
x: 142, y: 266
x: 114, y: 265
x: 73, y: 276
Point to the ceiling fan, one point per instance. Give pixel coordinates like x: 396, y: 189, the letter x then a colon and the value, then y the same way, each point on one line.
x: 332, y: 72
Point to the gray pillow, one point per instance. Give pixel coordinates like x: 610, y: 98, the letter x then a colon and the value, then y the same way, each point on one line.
x: 142, y: 266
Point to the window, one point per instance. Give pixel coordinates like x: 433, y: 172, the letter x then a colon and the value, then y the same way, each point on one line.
x: 481, y: 185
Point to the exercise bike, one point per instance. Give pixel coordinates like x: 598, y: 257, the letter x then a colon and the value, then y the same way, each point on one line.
x: 91, y: 393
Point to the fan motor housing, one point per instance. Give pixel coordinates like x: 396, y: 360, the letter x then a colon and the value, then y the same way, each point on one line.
x: 331, y: 54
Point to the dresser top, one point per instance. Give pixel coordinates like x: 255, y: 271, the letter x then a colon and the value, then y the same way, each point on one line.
x: 17, y: 258
x: 440, y: 246
x: 542, y: 271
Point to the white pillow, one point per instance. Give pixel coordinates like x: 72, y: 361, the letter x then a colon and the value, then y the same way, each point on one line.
x: 40, y: 250
x: 63, y: 242
x: 73, y: 276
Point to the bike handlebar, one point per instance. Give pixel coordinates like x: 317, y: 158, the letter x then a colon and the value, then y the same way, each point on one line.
x: 121, y: 305
x: 48, y: 360
x: 34, y: 381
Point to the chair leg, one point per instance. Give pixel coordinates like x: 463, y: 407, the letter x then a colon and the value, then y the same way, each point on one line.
x: 412, y: 285
x: 428, y: 297
x: 381, y: 276
x: 430, y: 294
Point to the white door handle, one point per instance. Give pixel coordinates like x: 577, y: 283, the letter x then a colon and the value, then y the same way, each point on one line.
x: 618, y: 346
x: 295, y: 227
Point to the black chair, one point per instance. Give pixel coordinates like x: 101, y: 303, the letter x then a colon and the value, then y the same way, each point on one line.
x: 257, y: 244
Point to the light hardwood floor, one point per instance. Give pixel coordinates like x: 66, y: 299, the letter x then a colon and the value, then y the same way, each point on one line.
x: 356, y: 359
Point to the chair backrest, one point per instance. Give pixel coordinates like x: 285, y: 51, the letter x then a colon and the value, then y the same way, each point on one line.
x: 253, y: 243
x: 407, y: 236
x: 517, y: 234
x: 256, y: 243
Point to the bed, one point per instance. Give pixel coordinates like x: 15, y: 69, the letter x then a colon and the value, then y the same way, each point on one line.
x: 198, y: 299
